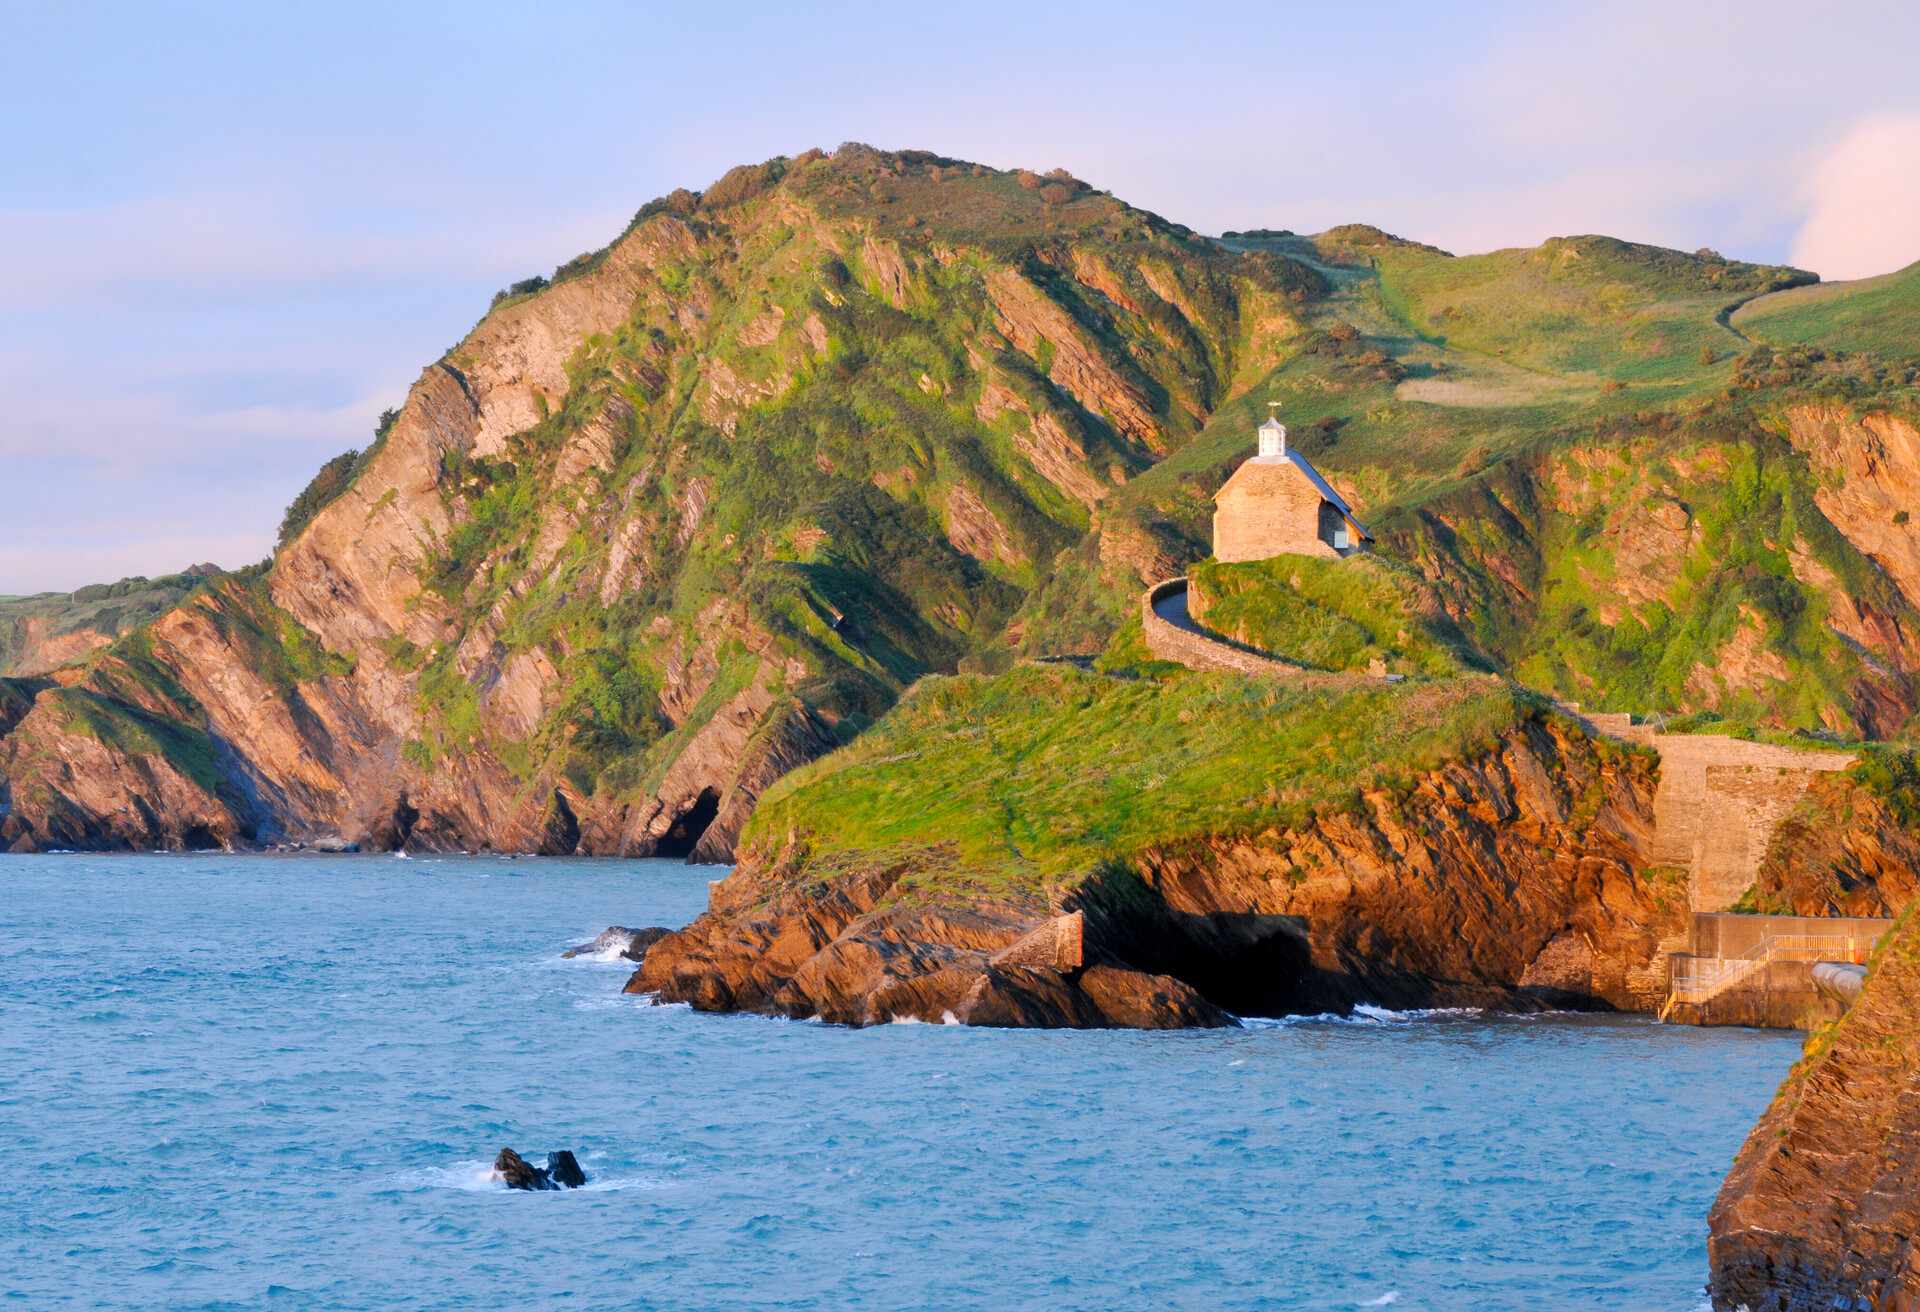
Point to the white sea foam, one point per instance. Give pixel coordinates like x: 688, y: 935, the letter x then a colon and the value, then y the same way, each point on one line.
x: 611, y: 954
x: 1363, y: 1014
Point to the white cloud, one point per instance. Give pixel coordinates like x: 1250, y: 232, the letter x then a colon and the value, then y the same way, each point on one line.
x: 1864, y: 199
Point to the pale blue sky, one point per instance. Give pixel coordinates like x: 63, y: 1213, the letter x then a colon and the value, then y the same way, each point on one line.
x: 233, y: 233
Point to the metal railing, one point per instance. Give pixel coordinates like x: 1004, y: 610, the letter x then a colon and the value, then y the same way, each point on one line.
x: 1701, y: 979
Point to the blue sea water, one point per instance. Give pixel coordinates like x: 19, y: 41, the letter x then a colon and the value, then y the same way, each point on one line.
x: 234, y: 1082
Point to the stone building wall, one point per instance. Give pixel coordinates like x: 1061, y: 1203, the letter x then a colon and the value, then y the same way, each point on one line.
x: 1273, y: 513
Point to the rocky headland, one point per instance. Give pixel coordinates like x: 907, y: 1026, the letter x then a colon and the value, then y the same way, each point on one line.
x: 1501, y: 862
x: 699, y: 506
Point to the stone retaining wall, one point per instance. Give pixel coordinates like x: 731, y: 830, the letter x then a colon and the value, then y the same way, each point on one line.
x: 1719, y: 800
x: 1718, y: 803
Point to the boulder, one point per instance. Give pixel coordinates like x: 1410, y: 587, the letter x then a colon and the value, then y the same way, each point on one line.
x: 562, y: 1171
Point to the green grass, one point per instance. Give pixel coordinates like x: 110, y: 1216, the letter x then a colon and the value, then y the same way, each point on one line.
x: 1582, y: 306
x: 1880, y: 316
x: 1330, y: 614
x: 1047, y: 770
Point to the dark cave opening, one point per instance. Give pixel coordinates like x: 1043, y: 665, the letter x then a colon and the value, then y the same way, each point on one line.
x: 684, y: 836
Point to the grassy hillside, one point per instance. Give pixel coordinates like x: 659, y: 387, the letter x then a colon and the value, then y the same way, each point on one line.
x: 907, y: 379
x: 1047, y: 770
x: 1880, y: 316
x: 1584, y: 459
x: 841, y: 422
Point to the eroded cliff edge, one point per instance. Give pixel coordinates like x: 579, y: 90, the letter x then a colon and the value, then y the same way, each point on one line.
x: 1822, y: 1207
x: 1482, y: 851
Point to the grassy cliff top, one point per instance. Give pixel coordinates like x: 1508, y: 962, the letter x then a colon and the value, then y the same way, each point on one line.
x: 1047, y: 770
x: 1331, y: 614
x: 106, y: 609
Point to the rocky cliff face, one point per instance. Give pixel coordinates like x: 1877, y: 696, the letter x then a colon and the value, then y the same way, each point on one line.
x: 667, y: 524
x: 1822, y: 1207
x: 1851, y: 847
x: 1513, y: 878
x: 1700, y: 566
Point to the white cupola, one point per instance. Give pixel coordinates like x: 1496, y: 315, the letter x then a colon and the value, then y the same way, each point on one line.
x: 1273, y: 438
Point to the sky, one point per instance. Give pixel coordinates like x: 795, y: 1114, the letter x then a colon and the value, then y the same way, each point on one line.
x: 230, y: 235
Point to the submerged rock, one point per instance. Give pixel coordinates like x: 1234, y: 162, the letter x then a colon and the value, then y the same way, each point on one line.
x: 1822, y: 1207
x: 629, y: 943
x: 562, y: 1171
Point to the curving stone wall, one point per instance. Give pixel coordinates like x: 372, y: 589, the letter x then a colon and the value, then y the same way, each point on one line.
x: 1199, y: 651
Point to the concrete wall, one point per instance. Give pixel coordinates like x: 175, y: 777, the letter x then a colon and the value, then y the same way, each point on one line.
x: 1779, y: 996
x: 1723, y: 934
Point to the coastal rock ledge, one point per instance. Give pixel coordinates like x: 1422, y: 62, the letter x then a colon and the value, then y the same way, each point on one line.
x: 1822, y: 1207
x: 1511, y: 878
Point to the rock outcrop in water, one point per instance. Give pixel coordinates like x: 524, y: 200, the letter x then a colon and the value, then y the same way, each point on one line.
x: 1514, y: 879
x: 631, y: 944
x: 1822, y: 1207
x: 562, y: 1171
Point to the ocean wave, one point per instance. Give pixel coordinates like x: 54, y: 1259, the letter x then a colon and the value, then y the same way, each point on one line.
x: 615, y: 955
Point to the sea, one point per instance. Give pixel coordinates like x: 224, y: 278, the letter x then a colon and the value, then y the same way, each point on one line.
x: 237, y: 1082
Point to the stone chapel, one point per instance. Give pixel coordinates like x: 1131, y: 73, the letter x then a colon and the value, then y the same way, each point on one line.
x: 1276, y: 503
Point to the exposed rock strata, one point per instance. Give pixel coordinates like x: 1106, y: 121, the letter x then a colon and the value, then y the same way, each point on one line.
x: 491, y: 583
x: 1822, y: 1207
x: 1843, y: 851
